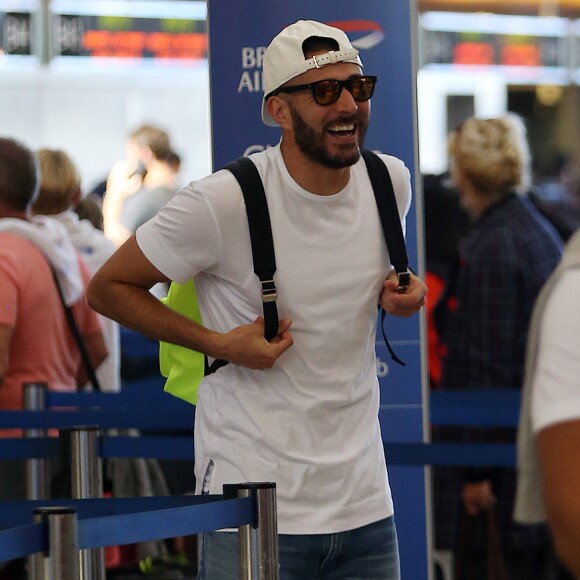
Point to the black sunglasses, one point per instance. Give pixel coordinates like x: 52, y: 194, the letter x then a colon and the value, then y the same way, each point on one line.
x: 328, y: 91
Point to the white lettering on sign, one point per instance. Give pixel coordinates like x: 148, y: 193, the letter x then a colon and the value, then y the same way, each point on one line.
x: 382, y: 368
x: 251, y: 79
x: 251, y: 82
x: 256, y: 148
x: 252, y: 57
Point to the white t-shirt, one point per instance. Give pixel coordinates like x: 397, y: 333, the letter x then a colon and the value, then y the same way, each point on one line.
x: 95, y: 250
x: 556, y: 388
x: 310, y: 423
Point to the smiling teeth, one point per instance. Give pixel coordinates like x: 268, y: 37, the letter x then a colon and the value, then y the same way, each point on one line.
x: 343, y: 128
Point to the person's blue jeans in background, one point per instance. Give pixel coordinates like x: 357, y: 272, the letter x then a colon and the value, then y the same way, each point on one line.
x: 367, y: 553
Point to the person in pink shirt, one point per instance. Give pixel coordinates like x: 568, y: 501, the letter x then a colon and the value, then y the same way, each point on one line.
x: 36, y: 344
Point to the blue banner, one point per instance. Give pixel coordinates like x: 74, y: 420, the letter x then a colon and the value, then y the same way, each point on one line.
x: 238, y: 35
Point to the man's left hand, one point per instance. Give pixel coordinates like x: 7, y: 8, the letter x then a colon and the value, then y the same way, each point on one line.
x: 403, y: 303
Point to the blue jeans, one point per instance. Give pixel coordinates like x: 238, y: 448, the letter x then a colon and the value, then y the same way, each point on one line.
x: 367, y: 553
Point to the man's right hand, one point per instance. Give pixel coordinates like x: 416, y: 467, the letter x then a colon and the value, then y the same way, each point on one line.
x: 247, y: 347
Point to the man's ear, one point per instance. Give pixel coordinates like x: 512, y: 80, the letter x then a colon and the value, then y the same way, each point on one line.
x: 279, y: 111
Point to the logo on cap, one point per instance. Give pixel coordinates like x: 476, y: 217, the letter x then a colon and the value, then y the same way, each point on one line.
x: 374, y: 32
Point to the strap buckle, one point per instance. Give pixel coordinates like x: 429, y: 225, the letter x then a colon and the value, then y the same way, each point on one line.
x: 404, y: 281
x: 316, y: 62
x: 269, y: 293
x: 331, y: 57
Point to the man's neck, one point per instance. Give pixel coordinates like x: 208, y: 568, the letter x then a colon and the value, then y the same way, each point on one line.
x: 312, y: 176
x: 11, y: 213
x: 159, y: 175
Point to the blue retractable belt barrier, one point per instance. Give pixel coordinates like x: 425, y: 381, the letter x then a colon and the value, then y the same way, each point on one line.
x: 483, y: 408
x: 477, y: 408
x: 117, y: 521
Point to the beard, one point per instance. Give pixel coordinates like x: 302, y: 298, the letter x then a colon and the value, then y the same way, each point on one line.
x: 312, y: 144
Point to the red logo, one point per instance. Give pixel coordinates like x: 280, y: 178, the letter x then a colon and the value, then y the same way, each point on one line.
x: 363, y: 34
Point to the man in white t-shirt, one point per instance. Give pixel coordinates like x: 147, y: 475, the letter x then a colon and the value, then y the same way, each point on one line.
x: 302, y: 409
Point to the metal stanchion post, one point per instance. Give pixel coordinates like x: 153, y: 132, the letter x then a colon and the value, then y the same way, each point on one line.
x: 34, y: 399
x: 62, y: 560
x: 35, y: 470
x: 86, y: 482
x: 259, y: 541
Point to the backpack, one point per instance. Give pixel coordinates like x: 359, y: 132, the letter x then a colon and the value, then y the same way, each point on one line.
x: 184, y: 368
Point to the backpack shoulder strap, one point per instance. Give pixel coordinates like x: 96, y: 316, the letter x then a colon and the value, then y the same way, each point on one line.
x: 263, y: 255
x: 391, y: 224
x: 388, y: 211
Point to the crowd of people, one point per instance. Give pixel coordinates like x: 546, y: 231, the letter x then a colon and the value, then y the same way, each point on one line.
x: 308, y: 399
x: 52, y: 241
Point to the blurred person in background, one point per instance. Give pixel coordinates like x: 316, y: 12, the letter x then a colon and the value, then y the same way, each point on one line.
x: 60, y: 192
x: 141, y: 184
x: 482, y: 318
x: 563, y: 209
x: 36, y: 343
x: 549, y: 429
x: 89, y: 208
x: 446, y: 222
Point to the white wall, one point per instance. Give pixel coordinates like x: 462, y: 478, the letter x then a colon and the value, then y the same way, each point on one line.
x: 489, y: 92
x: 89, y: 110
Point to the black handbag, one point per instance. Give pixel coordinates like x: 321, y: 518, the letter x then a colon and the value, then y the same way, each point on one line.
x: 464, y: 560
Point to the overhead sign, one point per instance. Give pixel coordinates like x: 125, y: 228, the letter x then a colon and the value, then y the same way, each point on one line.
x: 129, y: 37
x: 136, y: 29
x: 521, y: 48
x: 15, y: 33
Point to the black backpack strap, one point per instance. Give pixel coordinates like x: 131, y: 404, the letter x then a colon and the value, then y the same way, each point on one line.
x: 70, y: 318
x: 388, y: 211
x: 391, y: 223
x: 262, y: 242
x: 263, y: 255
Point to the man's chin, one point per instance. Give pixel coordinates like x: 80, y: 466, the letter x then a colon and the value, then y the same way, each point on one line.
x: 346, y: 157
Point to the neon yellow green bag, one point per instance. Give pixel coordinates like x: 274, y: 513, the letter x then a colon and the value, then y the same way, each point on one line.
x: 183, y: 368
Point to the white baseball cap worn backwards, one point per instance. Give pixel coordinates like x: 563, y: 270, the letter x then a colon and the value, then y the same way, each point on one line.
x: 284, y: 58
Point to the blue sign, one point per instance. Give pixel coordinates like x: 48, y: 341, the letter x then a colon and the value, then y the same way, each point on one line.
x: 238, y: 35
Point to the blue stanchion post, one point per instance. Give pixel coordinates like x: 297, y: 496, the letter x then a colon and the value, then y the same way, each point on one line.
x: 258, y: 541
x: 62, y: 560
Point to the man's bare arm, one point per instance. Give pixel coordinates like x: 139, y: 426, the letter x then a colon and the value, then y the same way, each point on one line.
x: 558, y: 454
x: 120, y: 290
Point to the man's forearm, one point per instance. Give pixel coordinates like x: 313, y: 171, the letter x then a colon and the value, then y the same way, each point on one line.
x: 137, y: 309
x: 557, y: 452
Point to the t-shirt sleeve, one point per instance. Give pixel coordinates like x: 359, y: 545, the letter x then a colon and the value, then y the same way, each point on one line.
x: 401, y: 179
x: 556, y: 388
x: 184, y: 237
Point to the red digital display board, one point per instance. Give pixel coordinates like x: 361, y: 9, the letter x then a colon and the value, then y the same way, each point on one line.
x: 522, y: 49
x: 448, y: 47
x: 127, y: 37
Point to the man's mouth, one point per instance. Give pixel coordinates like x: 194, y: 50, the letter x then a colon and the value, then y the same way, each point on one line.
x: 342, y: 129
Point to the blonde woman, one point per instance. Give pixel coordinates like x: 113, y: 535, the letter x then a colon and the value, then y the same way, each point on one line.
x: 59, y: 193
x: 501, y: 265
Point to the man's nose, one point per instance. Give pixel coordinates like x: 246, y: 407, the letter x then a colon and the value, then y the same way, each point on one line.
x: 346, y: 102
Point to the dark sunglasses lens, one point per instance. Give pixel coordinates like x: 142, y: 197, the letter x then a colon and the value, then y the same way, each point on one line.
x: 363, y: 88
x: 326, y: 92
